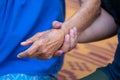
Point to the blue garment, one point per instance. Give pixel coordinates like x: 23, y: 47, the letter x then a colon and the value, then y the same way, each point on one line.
x: 19, y: 20
x: 113, y: 69
x: 28, y: 77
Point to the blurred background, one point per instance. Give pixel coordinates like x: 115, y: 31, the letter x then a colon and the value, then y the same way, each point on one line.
x: 85, y: 58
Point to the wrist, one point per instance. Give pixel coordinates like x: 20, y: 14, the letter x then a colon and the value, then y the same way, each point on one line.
x: 66, y: 27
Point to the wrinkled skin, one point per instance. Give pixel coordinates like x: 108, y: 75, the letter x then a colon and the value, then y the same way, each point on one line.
x: 44, y: 44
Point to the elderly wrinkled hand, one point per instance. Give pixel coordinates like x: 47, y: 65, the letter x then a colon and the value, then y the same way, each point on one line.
x: 44, y: 44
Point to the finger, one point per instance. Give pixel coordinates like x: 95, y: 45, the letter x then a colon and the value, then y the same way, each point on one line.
x: 66, y: 44
x: 43, y: 56
x: 32, y: 39
x: 25, y: 43
x: 72, y: 33
x: 75, y: 31
x: 72, y: 38
x: 30, y: 52
x: 58, y: 53
x: 56, y: 25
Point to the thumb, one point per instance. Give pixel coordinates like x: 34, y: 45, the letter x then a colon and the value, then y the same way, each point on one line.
x: 56, y: 25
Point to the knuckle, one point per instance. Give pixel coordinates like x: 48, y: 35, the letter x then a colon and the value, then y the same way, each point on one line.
x: 38, y: 43
x: 30, y: 55
x: 45, y: 52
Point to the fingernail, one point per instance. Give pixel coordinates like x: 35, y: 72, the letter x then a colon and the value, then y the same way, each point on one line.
x: 67, y: 37
x: 58, y: 53
x: 71, y: 33
x: 23, y: 42
x: 58, y: 25
x: 18, y: 56
x: 74, y: 28
x: 61, y: 51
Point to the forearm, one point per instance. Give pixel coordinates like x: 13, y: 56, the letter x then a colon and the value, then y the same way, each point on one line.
x: 104, y: 27
x: 89, y: 10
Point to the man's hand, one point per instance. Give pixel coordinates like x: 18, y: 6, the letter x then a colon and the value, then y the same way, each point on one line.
x: 70, y: 40
x: 44, y: 44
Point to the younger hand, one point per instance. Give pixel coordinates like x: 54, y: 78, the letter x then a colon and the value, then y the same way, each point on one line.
x: 70, y: 40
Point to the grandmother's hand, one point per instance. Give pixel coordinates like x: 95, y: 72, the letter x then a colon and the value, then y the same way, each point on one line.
x: 44, y: 44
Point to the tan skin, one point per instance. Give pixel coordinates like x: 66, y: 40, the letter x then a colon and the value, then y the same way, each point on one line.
x: 45, y: 44
x: 103, y: 27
